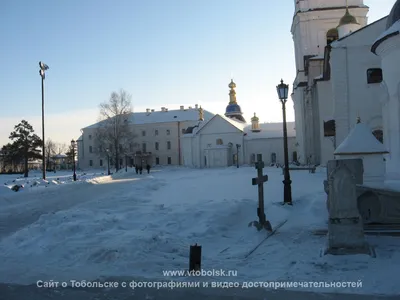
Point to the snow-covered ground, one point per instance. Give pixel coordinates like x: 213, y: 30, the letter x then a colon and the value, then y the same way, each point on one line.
x: 35, y: 181
x: 138, y: 226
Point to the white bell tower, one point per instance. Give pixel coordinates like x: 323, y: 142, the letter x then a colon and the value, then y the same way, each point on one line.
x: 316, y: 23
x: 313, y: 19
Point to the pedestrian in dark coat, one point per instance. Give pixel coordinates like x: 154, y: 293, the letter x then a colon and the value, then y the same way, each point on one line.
x: 148, y: 168
x: 140, y: 169
x: 136, y: 169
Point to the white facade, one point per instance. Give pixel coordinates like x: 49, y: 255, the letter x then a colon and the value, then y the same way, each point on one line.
x: 312, y: 22
x: 158, y: 132
x: 351, y: 60
x: 269, y: 143
x: 387, y: 47
x: 214, y: 143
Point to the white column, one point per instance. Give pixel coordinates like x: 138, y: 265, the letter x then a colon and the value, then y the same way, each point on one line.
x: 389, y: 51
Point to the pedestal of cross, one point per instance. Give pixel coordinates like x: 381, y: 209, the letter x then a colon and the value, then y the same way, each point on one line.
x: 259, y: 180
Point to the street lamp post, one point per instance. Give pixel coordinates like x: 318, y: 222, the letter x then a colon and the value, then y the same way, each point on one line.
x: 126, y: 163
x: 282, y: 90
x: 108, y: 161
x: 237, y: 155
x: 73, y: 145
x: 43, y: 68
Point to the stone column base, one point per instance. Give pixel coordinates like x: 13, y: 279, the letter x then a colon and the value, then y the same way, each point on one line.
x: 365, y: 249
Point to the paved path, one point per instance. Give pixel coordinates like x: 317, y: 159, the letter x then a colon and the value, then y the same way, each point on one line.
x: 19, y: 292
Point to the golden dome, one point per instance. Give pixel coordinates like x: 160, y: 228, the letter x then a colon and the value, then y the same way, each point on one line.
x: 232, y: 85
x: 255, y: 118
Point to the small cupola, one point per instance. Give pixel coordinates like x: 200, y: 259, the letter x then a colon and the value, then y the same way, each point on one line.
x: 347, y: 24
x: 255, y: 124
x: 201, y: 114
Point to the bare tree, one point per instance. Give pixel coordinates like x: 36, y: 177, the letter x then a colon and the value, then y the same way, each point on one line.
x: 61, y: 148
x: 115, y: 132
x: 50, y: 151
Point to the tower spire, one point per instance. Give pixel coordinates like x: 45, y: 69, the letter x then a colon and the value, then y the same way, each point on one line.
x: 232, y: 93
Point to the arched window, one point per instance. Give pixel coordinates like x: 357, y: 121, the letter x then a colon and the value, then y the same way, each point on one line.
x: 331, y: 36
x: 378, y: 133
x: 220, y: 142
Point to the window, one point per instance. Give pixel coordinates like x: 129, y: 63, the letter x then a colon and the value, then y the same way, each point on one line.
x: 157, y: 160
x: 378, y: 133
x: 220, y: 142
x: 143, y: 133
x: 156, y: 132
x: 90, y: 149
x: 332, y: 35
x: 91, y: 163
x: 101, y: 162
x: 294, y: 157
x: 329, y: 128
x: 374, y: 75
x: 144, y: 147
x: 90, y: 136
x: 273, y: 158
x: 169, y: 160
x: 168, y: 132
x: 183, y: 130
x: 169, y: 145
x: 156, y: 145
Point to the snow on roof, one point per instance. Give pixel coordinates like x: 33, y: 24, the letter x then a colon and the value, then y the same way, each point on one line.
x: 236, y: 124
x: 239, y: 125
x: 177, y: 115
x: 360, y: 141
x: 270, y: 130
x: 391, y: 31
x: 319, y: 77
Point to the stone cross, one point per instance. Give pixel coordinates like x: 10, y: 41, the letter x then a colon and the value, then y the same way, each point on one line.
x: 345, y: 227
x: 259, y: 180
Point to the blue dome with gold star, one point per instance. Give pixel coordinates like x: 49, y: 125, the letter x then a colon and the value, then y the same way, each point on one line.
x: 233, y: 108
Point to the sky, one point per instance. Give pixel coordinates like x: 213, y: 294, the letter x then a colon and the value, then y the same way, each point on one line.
x: 164, y: 53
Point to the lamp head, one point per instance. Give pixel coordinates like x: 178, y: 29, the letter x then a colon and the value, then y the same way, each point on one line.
x: 43, y: 66
x: 283, y: 90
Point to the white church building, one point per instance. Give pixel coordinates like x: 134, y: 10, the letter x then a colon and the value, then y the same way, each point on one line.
x: 338, y: 78
x: 227, y: 139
